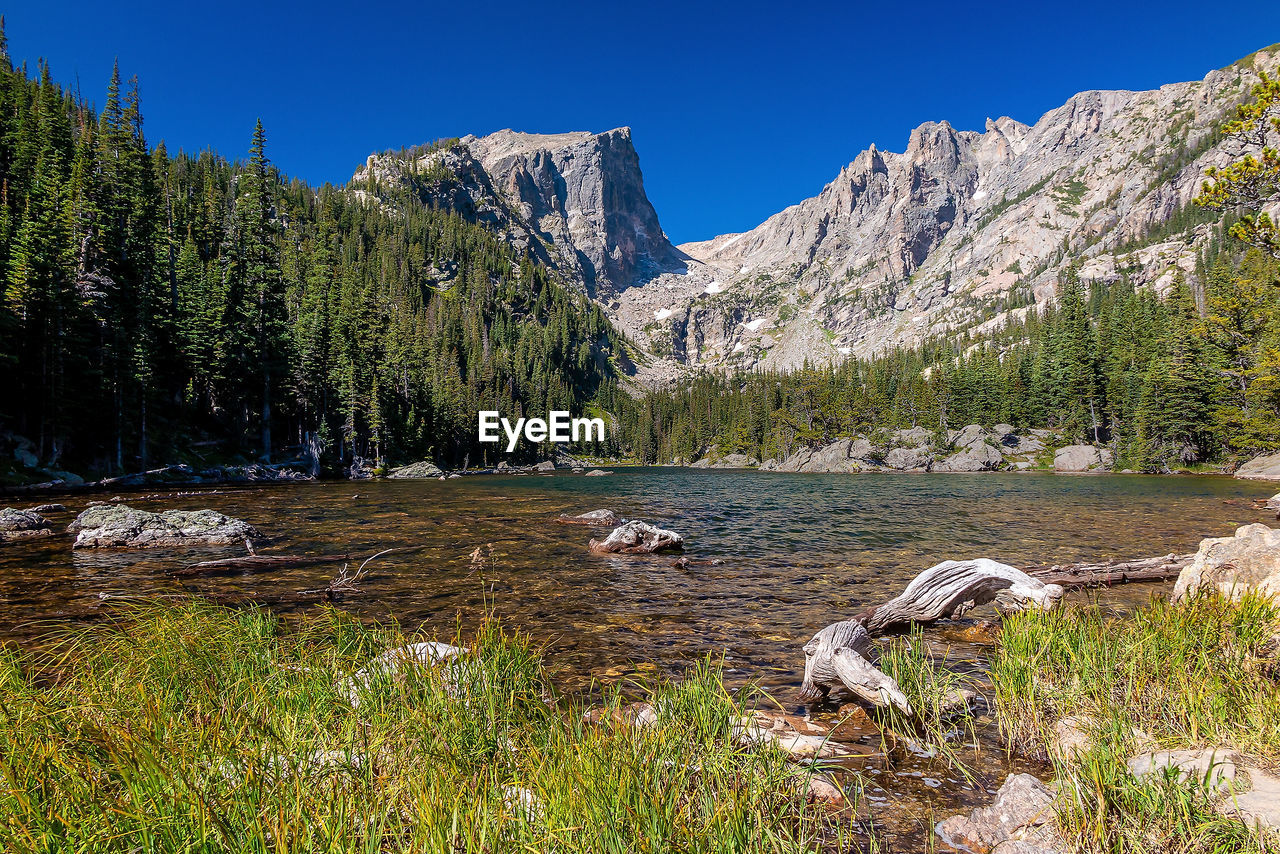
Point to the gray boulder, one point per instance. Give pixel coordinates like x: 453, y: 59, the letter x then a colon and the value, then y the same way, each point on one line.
x: 18, y: 524
x: 967, y: 437
x: 121, y: 526
x: 423, y: 469
x: 978, y: 456
x: 1081, y: 458
x: 731, y: 461
x: 599, y: 518
x: 597, y: 473
x: 844, y: 456
x: 1022, y: 811
x: 914, y: 437
x: 1266, y: 467
x: 1214, y: 769
x: 1249, y: 560
x: 545, y: 465
x: 908, y: 459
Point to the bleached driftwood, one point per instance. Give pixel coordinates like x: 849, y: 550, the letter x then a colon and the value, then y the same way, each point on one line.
x: 637, y: 537
x: 1163, y: 568
x: 841, y: 653
x: 953, y: 587
x: 867, y: 681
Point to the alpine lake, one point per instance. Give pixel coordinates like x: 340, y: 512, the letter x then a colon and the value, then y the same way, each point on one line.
x: 773, y: 559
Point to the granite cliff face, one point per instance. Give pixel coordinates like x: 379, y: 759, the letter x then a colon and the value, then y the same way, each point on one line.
x: 575, y: 200
x: 959, y: 232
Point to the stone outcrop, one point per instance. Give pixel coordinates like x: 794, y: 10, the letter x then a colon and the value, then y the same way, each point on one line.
x: 1247, y: 561
x: 1214, y: 769
x: 729, y: 461
x: 1021, y: 816
x: 18, y: 524
x: 1265, y: 467
x: 121, y: 526
x: 1081, y: 458
x: 973, y: 448
x: 637, y: 537
x: 423, y: 469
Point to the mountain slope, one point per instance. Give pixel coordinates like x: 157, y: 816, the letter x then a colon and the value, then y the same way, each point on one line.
x: 957, y: 232
x: 958, y: 229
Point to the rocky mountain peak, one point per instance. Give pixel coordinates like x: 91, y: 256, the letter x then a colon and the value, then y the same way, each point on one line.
x: 574, y: 199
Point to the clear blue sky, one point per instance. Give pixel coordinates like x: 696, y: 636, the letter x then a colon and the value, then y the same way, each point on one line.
x: 737, y: 110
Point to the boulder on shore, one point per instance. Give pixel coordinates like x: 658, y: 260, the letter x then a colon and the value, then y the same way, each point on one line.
x: 423, y: 469
x: 1247, y: 561
x: 121, y: 526
x: 978, y: 456
x: 18, y: 524
x: 637, y: 537
x: 1265, y: 467
x: 1081, y: 458
x: 731, y: 461
x: 599, y: 518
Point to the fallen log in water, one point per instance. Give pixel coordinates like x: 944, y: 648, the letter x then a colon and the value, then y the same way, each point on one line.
x: 256, y: 563
x: 1078, y: 575
x: 262, y: 563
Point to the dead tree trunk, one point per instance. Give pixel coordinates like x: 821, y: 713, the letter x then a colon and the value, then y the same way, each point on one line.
x: 841, y: 654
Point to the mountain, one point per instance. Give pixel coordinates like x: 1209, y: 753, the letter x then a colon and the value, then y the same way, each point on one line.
x: 960, y: 231
x: 574, y: 200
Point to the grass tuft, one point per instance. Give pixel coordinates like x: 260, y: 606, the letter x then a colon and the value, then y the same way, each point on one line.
x: 1196, y: 674
x: 199, y: 728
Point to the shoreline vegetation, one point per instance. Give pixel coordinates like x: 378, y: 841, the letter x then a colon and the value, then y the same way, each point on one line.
x: 197, y: 727
x: 191, y: 726
x: 973, y: 449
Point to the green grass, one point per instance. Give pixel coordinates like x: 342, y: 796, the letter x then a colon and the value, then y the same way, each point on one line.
x: 1171, y: 676
x: 937, y: 724
x: 198, y: 728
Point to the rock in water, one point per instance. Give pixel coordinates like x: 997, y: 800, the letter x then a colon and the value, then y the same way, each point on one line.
x: 636, y: 537
x: 121, y: 526
x: 1266, y: 467
x: 599, y: 518
x: 1247, y: 561
x: 597, y: 473
x: 23, y: 525
x: 545, y: 465
x: 423, y: 469
x: 1081, y: 458
x: 1023, y: 805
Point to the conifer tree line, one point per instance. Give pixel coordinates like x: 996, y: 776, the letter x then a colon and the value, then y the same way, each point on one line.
x: 1163, y: 383
x: 166, y: 307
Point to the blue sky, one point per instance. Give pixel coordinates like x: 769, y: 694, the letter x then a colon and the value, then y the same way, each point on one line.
x: 737, y: 110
